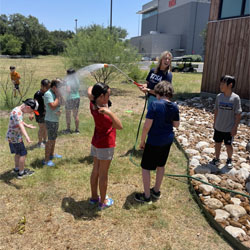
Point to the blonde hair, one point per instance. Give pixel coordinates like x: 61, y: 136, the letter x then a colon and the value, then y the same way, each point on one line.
x: 164, y: 53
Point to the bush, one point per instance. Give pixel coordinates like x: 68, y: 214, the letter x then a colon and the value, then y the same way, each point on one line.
x: 195, y: 58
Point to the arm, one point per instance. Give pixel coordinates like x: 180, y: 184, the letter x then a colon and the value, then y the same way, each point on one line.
x: 28, y: 125
x: 53, y: 105
x: 215, y: 116
x: 116, y: 122
x: 90, y: 96
x: 147, y: 125
x: 176, y: 124
x: 236, y: 123
x: 23, y: 131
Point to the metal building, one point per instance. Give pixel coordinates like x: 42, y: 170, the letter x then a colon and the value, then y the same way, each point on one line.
x: 174, y: 25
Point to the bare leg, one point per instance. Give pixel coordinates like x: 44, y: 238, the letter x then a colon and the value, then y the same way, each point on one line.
x: 53, y: 148
x: 94, y: 179
x: 17, y: 161
x: 68, y: 118
x: 229, y: 151
x: 146, y: 182
x: 159, y: 177
x: 217, y: 149
x: 40, y: 133
x: 76, y: 117
x: 22, y: 162
x: 49, y: 149
x: 103, y: 178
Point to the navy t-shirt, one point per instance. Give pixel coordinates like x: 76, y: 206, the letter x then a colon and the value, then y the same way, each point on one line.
x: 163, y: 113
x: 154, y: 78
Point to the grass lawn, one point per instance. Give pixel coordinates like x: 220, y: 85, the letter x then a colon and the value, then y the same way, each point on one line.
x: 55, y: 200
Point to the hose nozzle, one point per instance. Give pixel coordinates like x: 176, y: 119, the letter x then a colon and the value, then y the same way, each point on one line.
x: 105, y: 65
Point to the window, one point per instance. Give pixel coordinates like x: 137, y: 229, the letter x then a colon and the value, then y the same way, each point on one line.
x: 234, y: 8
x: 149, y: 14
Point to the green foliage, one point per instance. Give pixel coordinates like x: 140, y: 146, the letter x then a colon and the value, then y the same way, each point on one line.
x: 195, y: 58
x: 136, y: 73
x: 153, y: 65
x: 96, y: 44
x: 10, y: 45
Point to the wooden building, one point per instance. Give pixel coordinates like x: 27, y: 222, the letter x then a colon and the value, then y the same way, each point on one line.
x: 227, y: 46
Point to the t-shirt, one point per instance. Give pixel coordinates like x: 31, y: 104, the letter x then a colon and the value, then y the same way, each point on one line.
x: 163, y: 113
x: 39, y: 97
x: 50, y: 114
x: 14, y: 134
x: 154, y: 78
x: 73, y: 82
x: 104, y: 134
x: 15, y: 77
x: 228, y: 107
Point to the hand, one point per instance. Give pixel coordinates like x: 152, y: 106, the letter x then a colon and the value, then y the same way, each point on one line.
x: 233, y: 131
x: 31, y: 126
x: 144, y: 89
x: 142, y: 145
x: 104, y: 110
x: 31, y: 117
x: 28, y: 139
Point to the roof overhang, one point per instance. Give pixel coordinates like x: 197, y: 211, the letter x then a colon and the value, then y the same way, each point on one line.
x: 154, y: 7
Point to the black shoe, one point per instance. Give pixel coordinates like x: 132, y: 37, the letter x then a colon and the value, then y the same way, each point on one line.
x: 25, y: 173
x: 15, y: 170
x: 67, y: 131
x: 77, y: 131
x: 229, y: 163
x: 140, y: 197
x: 215, y: 162
x: 156, y: 195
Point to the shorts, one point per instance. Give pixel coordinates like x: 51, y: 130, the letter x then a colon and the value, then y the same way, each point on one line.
x: 72, y: 104
x: 52, y: 128
x: 102, y: 153
x: 18, y: 148
x: 40, y: 119
x: 155, y: 156
x: 223, y: 136
x: 16, y: 86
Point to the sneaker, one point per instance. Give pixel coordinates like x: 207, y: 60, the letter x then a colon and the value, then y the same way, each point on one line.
x: 94, y: 201
x: 55, y: 156
x: 140, y: 197
x: 108, y: 204
x: 229, y: 163
x: 15, y: 170
x: 215, y: 162
x: 67, y: 131
x: 49, y: 163
x: 41, y: 145
x: 25, y: 173
x: 156, y: 195
x: 77, y: 131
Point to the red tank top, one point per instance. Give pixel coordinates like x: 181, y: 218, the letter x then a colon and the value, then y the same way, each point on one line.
x: 104, y: 134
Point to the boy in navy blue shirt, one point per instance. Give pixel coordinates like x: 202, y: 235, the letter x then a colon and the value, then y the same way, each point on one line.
x: 162, y: 116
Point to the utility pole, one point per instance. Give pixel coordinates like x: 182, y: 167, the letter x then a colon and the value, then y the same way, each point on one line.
x: 110, y: 16
x: 76, y: 25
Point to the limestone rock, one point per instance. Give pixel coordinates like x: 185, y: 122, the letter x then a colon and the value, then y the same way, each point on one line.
x: 221, y: 214
x: 206, y: 189
x: 236, y: 211
x: 235, y: 231
x: 213, y: 178
x: 192, y: 151
x: 202, y: 144
x: 208, y: 150
x: 236, y: 201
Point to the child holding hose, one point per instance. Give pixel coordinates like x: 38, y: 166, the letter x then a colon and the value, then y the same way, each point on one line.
x: 161, y: 117
x: 103, y: 142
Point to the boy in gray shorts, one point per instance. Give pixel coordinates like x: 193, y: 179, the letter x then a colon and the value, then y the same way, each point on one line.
x: 226, y: 118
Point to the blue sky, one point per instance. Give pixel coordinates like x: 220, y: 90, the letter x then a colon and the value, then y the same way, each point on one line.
x: 61, y: 14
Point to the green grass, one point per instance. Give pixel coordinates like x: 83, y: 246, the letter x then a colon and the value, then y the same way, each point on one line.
x: 55, y: 200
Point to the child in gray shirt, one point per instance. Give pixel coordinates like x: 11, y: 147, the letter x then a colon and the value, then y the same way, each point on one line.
x: 226, y: 118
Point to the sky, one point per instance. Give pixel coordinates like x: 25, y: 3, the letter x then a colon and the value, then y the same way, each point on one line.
x: 61, y: 14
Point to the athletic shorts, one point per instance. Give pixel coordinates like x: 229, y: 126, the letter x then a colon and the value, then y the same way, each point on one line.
x: 223, y: 136
x: 16, y: 86
x: 155, y: 156
x: 40, y: 119
x: 102, y: 153
x: 52, y: 128
x: 72, y: 104
x: 18, y: 148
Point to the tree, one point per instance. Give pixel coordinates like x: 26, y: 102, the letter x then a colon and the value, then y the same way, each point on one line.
x: 96, y: 44
x: 10, y: 45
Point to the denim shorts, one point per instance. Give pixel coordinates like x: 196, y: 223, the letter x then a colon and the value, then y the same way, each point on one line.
x: 52, y: 128
x: 18, y: 148
x: 102, y: 153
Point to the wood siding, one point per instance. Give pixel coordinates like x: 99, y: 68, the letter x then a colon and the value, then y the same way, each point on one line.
x: 227, y: 52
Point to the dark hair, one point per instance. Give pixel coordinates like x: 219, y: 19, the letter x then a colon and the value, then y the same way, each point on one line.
x: 228, y: 79
x: 32, y: 103
x: 45, y: 82
x: 12, y: 67
x: 54, y: 83
x: 164, y: 88
x: 99, y: 89
x: 70, y: 71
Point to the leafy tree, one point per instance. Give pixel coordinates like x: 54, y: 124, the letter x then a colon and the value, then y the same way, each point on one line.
x: 3, y: 24
x: 96, y: 44
x: 10, y: 45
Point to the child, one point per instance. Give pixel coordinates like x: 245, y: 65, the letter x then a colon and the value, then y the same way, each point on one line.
x: 14, y: 135
x: 15, y: 77
x: 161, y: 73
x: 161, y: 117
x: 103, y: 142
x: 52, y: 104
x: 42, y: 132
x: 73, y: 99
x: 226, y: 118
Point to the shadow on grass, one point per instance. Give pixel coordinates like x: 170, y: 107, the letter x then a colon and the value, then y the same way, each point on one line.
x: 31, y: 147
x: 7, y: 176
x: 81, y: 210
x: 88, y: 159
x: 131, y: 202
x: 134, y: 152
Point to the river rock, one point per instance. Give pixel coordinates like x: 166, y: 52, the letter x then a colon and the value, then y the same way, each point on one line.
x: 206, y: 189
x: 192, y: 151
x: 236, y: 211
x: 213, y: 203
x: 194, y: 162
x: 221, y: 214
x: 208, y: 151
x: 235, y: 231
x: 202, y: 144
x: 243, y: 173
x: 236, y: 201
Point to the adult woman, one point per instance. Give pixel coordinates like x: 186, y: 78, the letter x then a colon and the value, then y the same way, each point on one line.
x: 161, y: 73
x: 103, y: 142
